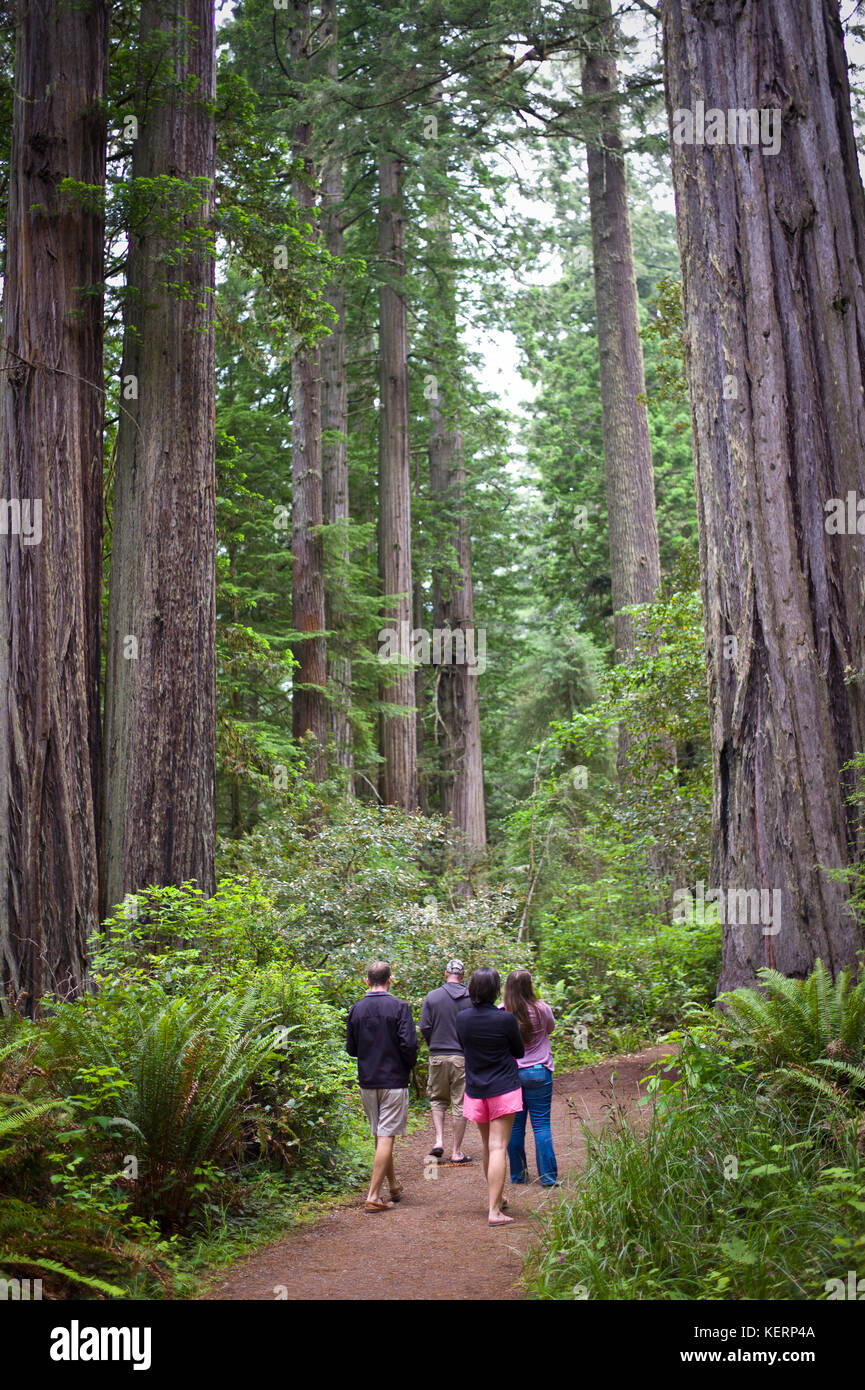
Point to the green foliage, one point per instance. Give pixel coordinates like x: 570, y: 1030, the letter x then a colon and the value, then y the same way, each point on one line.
x: 611, y: 973
x: 749, y: 1182
x: 666, y: 326
x: 355, y: 882
x: 661, y: 1216
x: 729, y: 1193
x: 605, y: 855
x: 798, y: 1021
x: 179, y: 1071
x: 808, y: 1035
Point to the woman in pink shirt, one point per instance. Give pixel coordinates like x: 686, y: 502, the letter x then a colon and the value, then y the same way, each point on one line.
x: 536, y: 1023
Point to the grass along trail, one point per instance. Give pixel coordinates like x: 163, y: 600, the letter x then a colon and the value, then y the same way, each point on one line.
x: 435, y: 1243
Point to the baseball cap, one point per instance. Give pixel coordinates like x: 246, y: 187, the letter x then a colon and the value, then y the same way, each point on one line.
x: 455, y: 967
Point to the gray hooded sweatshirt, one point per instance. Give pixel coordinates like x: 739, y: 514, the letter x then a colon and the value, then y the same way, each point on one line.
x: 438, y: 1016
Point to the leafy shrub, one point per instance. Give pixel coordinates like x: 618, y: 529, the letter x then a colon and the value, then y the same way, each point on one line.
x: 204, y: 1046
x: 178, y: 1090
x: 799, y: 1021
x: 373, y: 883
x: 646, y: 975
x: 300, y: 1088
x: 728, y: 1194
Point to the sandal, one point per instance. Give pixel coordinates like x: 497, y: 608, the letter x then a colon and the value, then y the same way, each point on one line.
x: 458, y: 1162
x: 435, y: 1153
x: 396, y: 1192
x: 377, y: 1206
x: 505, y: 1221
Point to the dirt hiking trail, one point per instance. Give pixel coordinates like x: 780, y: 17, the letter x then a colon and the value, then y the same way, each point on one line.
x: 436, y: 1244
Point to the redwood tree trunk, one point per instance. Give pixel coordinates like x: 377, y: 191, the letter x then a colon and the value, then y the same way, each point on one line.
x: 457, y: 722
x: 458, y: 709
x: 334, y: 419
x: 160, y: 705
x: 398, y: 784
x: 773, y: 259
x: 633, y: 529
x: 309, y: 700
x: 51, y: 420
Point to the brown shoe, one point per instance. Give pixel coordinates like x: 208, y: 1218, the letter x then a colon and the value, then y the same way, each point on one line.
x: 378, y: 1206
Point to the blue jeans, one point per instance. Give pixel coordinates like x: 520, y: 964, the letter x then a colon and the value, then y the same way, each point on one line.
x: 537, y: 1084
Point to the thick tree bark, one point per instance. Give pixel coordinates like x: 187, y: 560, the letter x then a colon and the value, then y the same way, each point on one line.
x: 420, y: 700
x: 398, y: 783
x: 773, y: 258
x: 633, y: 529
x: 51, y: 421
x: 457, y: 707
x: 458, y: 724
x: 160, y: 719
x: 334, y: 419
x: 309, y: 699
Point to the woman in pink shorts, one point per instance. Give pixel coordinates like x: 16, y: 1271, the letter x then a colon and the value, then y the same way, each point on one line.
x: 491, y: 1041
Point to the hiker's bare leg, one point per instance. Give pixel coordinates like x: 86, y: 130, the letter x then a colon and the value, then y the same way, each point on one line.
x: 484, y: 1132
x: 459, y: 1135
x: 438, y: 1117
x: 382, y: 1166
x: 496, y: 1165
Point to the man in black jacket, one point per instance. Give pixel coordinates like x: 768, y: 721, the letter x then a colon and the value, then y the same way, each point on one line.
x: 382, y: 1036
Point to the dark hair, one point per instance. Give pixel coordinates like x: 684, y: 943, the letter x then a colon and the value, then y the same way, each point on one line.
x: 520, y: 998
x: 484, y: 985
x: 378, y: 973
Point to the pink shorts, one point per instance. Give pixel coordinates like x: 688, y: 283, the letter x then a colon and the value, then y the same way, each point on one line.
x: 482, y: 1111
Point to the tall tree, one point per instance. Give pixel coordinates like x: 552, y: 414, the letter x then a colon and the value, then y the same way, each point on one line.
x: 161, y: 665
x: 51, y: 420
x: 458, y: 723
x: 334, y: 419
x: 633, y: 529
x: 309, y: 698
x: 771, y: 226
x: 398, y: 782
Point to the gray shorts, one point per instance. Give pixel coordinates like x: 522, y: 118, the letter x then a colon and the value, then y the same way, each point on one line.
x: 386, y: 1110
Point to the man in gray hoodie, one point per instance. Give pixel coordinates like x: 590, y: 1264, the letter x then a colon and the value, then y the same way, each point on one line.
x: 447, y: 1068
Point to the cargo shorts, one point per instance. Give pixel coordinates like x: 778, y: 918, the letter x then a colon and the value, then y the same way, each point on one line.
x: 386, y: 1110
x: 446, y: 1083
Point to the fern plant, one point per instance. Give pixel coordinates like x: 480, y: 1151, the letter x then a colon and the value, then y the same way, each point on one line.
x: 808, y: 1035
x: 89, y: 1281
x: 182, y: 1072
x: 14, y: 1123
x: 798, y: 1021
x: 24, y: 1114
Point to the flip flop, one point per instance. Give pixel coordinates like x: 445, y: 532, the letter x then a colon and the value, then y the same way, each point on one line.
x: 458, y: 1162
x: 396, y: 1192
x: 378, y: 1206
x: 435, y: 1153
x: 506, y: 1221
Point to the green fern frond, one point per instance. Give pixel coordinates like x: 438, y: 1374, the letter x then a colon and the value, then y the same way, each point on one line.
x: 24, y: 1115
x: 89, y: 1280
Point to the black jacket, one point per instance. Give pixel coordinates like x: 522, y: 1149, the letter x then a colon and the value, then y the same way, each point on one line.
x: 382, y: 1036
x: 438, y: 1016
x: 491, y: 1041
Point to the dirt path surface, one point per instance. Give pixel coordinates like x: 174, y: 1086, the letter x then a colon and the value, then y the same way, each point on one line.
x: 436, y: 1244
